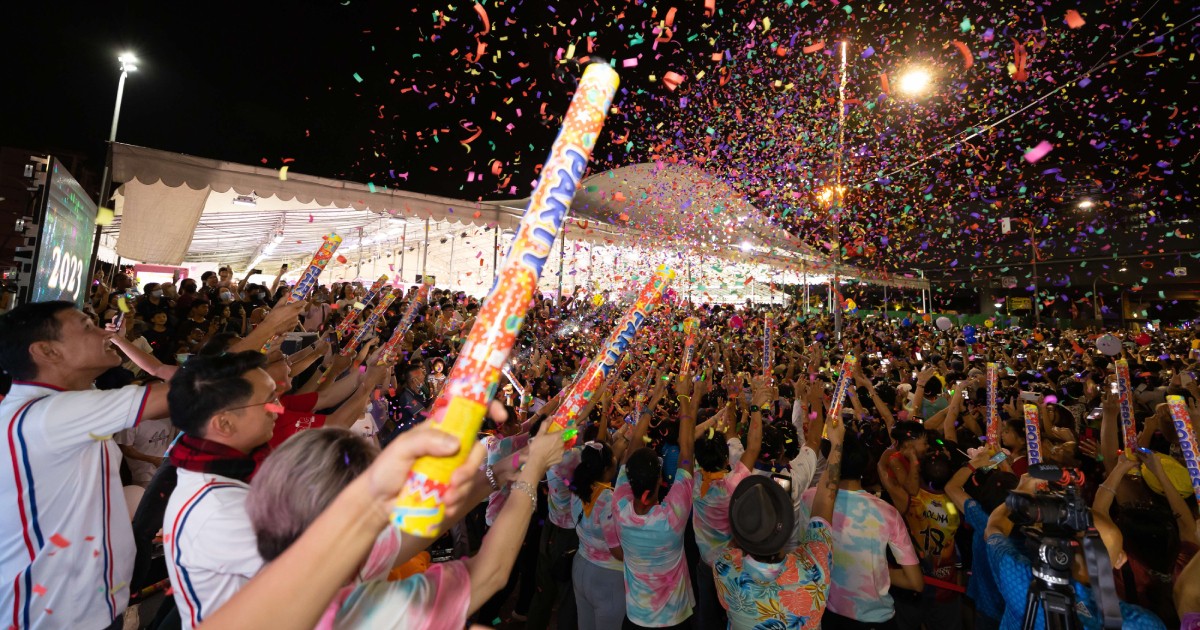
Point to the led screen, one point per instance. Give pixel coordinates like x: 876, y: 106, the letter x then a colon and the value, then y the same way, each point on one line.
x: 68, y: 230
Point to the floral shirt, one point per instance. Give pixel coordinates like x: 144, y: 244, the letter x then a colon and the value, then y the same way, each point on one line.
x: 866, y: 528
x: 785, y: 596
x: 658, y: 591
x: 710, y: 519
x: 597, y: 530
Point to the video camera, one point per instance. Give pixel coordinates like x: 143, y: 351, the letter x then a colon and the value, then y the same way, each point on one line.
x: 1060, y: 511
x: 1062, y: 514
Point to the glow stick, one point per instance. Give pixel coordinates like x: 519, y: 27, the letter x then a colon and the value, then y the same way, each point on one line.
x: 369, y: 325
x: 768, y: 346
x: 1187, y: 440
x: 388, y: 351
x: 356, y: 309
x: 1033, y: 435
x: 308, y: 279
x: 604, y: 363
x: 472, y: 382
x: 1125, y: 396
x: 993, y: 413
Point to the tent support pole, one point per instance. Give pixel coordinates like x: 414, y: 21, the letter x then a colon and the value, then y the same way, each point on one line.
x: 807, y: 302
x: 403, y: 250
x: 495, y: 251
x: 358, y: 265
x: 450, y: 265
x: 885, y: 302
x: 425, y: 255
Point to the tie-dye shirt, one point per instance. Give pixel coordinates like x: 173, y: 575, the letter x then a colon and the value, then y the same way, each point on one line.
x: 497, y: 449
x: 787, y: 595
x: 658, y: 591
x: 865, y: 528
x: 419, y: 602
x: 710, y: 519
x: 558, y: 480
x: 597, y: 530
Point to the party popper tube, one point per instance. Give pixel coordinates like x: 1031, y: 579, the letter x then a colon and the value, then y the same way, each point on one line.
x: 369, y: 325
x: 308, y: 279
x: 1033, y: 435
x: 690, y: 326
x: 768, y: 345
x: 606, y: 361
x: 472, y: 381
x: 1125, y: 397
x: 1187, y: 440
x: 356, y: 309
x: 843, y: 386
x: 388, y: 350
x: 993, y: 412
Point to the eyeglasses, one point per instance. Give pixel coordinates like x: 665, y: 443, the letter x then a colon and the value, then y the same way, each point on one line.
x: 271, y: 404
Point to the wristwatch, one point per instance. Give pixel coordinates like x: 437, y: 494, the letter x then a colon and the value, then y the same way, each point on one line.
x: 755, y: 409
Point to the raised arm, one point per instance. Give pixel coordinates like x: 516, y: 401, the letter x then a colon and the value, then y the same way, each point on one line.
x: 827, y: 487
x: 147, y: 362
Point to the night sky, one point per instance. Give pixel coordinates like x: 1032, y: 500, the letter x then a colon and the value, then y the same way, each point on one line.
x: 395, y: 93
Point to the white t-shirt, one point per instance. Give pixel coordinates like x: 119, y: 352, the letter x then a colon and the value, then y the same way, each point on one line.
x: 66, y: 544
x: 209, y: 543
x: 150, y: 437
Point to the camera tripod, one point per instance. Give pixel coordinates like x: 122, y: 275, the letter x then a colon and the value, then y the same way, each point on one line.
x: 1051, y: 588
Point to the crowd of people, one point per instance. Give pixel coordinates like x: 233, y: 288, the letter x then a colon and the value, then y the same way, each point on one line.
x: 174, y: 463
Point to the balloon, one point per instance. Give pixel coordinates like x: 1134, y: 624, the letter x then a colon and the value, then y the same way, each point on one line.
x: 1109, y: 345
x: 851, y: 306
x: 987, y: 323
x: 927, y: 318
x: 906, y: 322
x: 1142, y: 339
x: 597, y: 299
x: 1039, y: 337
x: 735, y: 322
x: 944, y: 324
x: 969, y: 330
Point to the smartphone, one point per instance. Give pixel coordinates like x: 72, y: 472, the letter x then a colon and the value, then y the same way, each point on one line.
x: 182, y: 358
x: 284, y: 267
x: 1094, y: 416
x: 966, y: 396
x: 1113, y: 389
x: 919, y: 357
x: 1029, y: 396
x: 784, y: 482
x: 996, y: 460
x: 255, y: 272
x: 1020, y: 357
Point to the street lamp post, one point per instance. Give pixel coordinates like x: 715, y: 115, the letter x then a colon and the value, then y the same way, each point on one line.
x: 128, y: 64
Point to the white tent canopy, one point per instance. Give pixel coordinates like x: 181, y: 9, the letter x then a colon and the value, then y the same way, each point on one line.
x: 174, y: 209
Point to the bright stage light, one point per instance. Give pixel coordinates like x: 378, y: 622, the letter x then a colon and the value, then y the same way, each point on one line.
x: 915, y: 81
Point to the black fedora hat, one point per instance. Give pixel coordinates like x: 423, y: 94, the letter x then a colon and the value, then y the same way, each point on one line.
x: 761, y: 516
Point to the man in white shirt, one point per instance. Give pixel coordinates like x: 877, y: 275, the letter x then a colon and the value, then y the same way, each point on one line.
x: 66, y: 543
x: 226, y: 407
